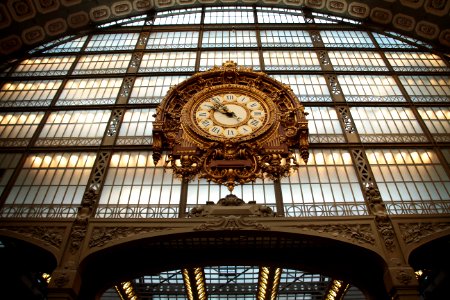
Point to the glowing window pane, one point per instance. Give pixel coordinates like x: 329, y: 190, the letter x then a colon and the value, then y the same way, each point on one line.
x: 307, y: 87
x: 326, y: 186
x: 71, y: 46
x: 137, y: 126
x: 226, y: 39
x: 210, y: 59
x: 136, y: 188
x: 346, y: 39
x: 50, y: 185
x: 291, y: 60
x: 90, y: 91
x: 28, y: 93
x: 168, y: 62
x: 117, y: 41
x: 366, y: 88
x: 153, y: 89
x: 285, y: 38
x: 356, y: 61
x: 228, y: 15
x: 103, y: 63
x: 81, y: 128
x: 437, y: 120
x: 175, y: 39
x: 416, y: 61
x: 410, y: 180
x: 387, y: 124
x: 427, y: 88
x: 44, y: 66
x: 16, y: 129
x: 187, y: 16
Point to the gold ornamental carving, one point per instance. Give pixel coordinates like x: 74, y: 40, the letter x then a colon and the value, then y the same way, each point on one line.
x: 52, y: 236
x: 230, y: 125
x: 415, y: 232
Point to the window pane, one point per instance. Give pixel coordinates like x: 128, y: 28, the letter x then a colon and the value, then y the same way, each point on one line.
x: 346, y: 39
x: 153, y: 89
x: 415, y: 61
x: 285, y: 38
x: 411, y: 181
x: 387, y: 124
x: 307, y: 87
x: 137, y: 126
x: 176, y: 39
x: 103, y: 64
x: 291, y: 60
x: 136, y: 188
x: 365, y: 88
x: 427, y: 88
x: 44, y: 66
x: 67, y: 128
x: 168, y: 62
x: 16, y: 129
x: 90, y: 91
x: 356, y: 61
x: 227, y: 39
x: 50, y: 186
x: 28, y: 93
x: 117, y: 41
x: 217, y: 58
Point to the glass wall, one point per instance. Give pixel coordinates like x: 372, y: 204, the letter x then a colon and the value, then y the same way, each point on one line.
x: 98, y: 93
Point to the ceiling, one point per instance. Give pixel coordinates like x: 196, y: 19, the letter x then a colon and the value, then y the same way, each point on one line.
x: 25, y: 24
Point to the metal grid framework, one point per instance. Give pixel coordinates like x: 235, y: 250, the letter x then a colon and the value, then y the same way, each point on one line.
x: 108, y: 97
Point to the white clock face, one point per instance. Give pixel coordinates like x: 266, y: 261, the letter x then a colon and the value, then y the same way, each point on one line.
x: 230, y: 115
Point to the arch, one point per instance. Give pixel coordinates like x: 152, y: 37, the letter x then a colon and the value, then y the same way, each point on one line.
x: 22, y: 264
x: 129, y: 260
x: 72, y: 17
x: 433, y: 260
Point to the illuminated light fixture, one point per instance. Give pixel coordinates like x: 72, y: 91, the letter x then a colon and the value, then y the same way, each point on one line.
x: 268, y: 283
x: 194, y: 282
x: 336, y: 290
x: 47, y: 277
x: 126, y: 291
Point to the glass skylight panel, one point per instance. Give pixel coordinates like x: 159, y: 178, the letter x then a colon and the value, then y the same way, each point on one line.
x: 437, y: 120
x: 307, y: 88
x: 173, y: 40
x: 51, y: 43
x: 327, y: 186
x: 8, y: 163
x: 228, y: 15
x: 152, y: 89
x: 261, y: 191
x: 346, y: 39
x: 71, y: 46
x: 291, y: 60
x: 103, y: 64
x: 411, y: 181
x: 111, y: 42
x: 324, y: 18
x: 44, y: 66
x: 356, y: 61
x: 136, y: 188
x: 125, y: 22
x: 388, y: 42
x: 17, y: 128
x: 74, y: 128
x: 243, y: 58
x: 137, y: 126
x: 180, y: 17
x: 431, y: 88
x: 28, y: 93
x: 230, y: 38
x: 285, y: 38
x: 324, y: 125
x: 279, y: 16
x: 416, y: 61
x: 370, y: 88
x: 168, y: 62
x: 90, y: 91
x: 50, y: 185
x: 387, y: 124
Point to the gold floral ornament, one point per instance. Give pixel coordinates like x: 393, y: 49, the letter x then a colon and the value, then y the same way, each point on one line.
x: 230, y: 125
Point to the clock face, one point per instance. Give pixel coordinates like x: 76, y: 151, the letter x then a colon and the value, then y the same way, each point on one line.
x: 231, y: 115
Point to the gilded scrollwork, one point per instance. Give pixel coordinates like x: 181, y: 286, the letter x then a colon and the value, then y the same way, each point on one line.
x: 231, y: 223
x: 415, y: 232
x: 104, y: 235
x: 52, y: 236
x: 358, y: 233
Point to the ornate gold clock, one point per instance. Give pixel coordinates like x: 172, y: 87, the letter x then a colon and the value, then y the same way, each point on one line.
x: 230, y: 125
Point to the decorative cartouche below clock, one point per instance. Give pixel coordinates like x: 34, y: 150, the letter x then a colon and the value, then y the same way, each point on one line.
x: 230, y: 125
